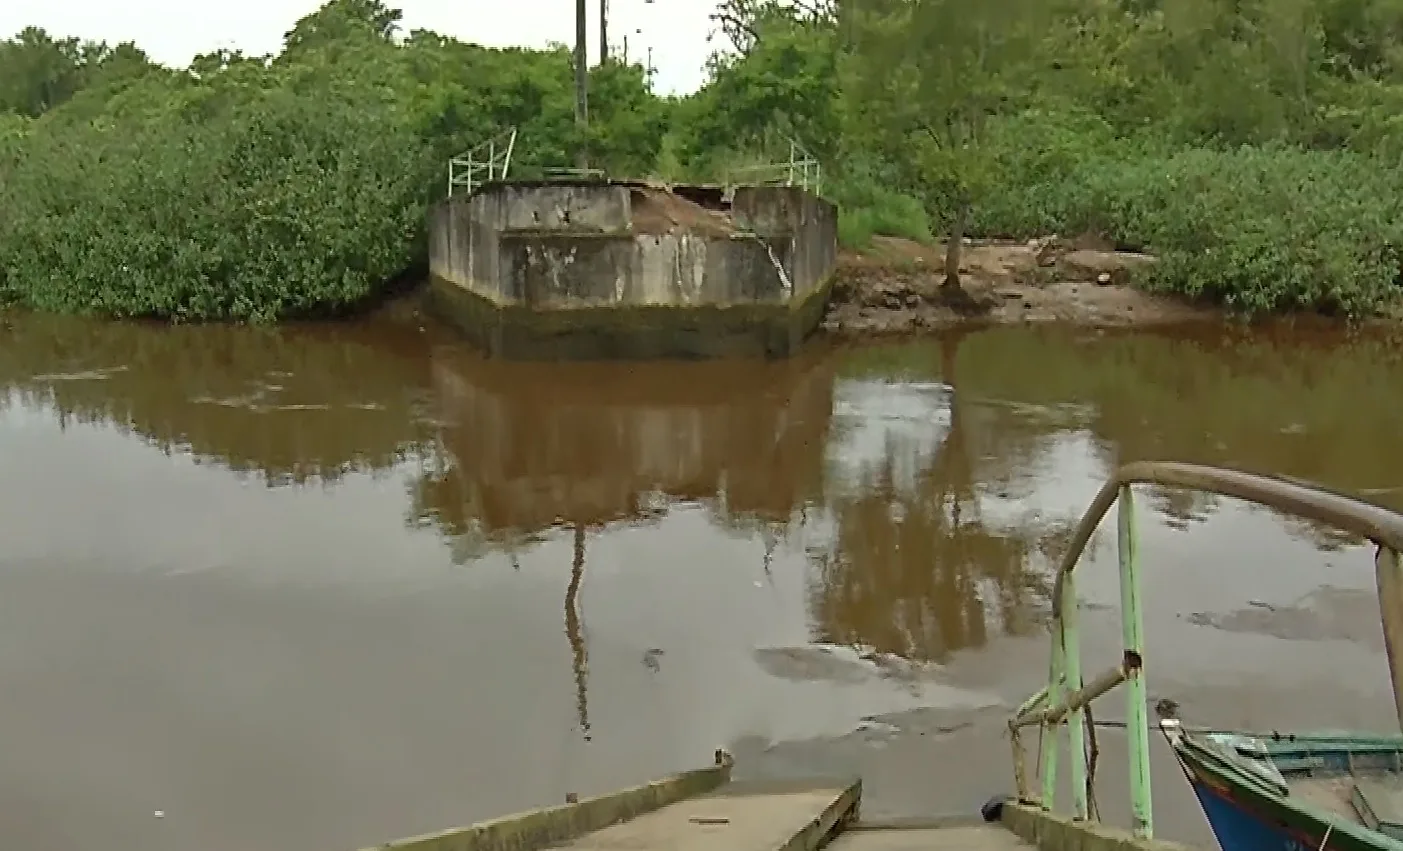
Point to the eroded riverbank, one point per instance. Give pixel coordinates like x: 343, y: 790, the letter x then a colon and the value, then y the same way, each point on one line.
x: 892, y: 288
x: 319, y: 587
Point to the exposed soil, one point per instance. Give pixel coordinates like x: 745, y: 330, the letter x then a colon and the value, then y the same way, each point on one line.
x: 656, y: 210
x: 893, y: 287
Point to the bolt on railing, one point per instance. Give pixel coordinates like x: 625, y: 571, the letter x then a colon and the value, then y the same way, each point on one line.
x: 1066, y: 697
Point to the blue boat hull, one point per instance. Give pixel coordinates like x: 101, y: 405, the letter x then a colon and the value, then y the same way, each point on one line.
x: 1237, y: 828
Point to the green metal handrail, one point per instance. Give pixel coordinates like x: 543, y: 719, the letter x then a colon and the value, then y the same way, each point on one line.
x: 1065, y: 698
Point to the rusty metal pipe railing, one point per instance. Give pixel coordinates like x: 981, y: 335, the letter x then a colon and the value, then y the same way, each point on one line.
x: 1065, y: 698
x: 1075, y: 700
x: 1301, y: 499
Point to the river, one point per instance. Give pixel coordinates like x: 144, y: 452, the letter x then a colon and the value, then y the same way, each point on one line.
x: 319, y: 587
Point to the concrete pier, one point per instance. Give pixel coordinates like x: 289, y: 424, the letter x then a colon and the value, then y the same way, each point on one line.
x: 549, y: 270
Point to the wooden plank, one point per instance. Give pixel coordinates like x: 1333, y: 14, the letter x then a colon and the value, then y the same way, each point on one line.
x: 740, y: 817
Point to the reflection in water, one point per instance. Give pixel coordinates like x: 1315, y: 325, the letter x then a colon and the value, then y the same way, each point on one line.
x: 574, y: 632
x: 907, y: 499
x: 529, y: 446
x: 289, y: 404
x: 1279, y: 400
x: 913, y: 568
x: 899, y: 456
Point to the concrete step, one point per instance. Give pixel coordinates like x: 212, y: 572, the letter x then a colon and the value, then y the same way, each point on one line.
x: 973, y: 837
x: 741, y: 816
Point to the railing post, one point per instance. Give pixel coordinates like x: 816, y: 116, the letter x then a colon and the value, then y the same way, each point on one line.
x: 507, y: 157
x: 1388, y: 573
x: 1047, y: 753
x: 1076, y: 719
x: 1133, y: 628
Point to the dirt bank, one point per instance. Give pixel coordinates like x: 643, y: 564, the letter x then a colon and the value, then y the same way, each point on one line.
x: 894, y: 287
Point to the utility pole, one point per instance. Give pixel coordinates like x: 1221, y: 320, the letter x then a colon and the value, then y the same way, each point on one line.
x: 581, y: 85
x: 603, y: 31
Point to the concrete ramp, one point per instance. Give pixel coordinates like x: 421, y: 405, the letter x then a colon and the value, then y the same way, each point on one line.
x: 703, y: 810
x: 972, y: 837
x: 736, y: 817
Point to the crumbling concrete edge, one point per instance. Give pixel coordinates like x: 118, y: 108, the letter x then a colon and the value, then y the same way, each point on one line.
x: 543, y: 828
x: 842, y: 811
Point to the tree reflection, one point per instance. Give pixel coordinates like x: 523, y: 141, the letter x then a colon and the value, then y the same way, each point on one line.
x: 574, y: 632
x: 915, y: 570
x: 1181, y: 508
x: 1292, y: 401
x: 291, y: 404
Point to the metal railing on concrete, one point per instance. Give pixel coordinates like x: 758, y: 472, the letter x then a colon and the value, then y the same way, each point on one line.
x: 489, y: 160
x: 1064, y: 700
x: 801, y: 169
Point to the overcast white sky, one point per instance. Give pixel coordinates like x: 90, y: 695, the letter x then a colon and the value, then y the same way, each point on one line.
x: 174, y: 31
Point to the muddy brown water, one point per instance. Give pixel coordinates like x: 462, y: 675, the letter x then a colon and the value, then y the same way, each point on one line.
x: 320, y: 587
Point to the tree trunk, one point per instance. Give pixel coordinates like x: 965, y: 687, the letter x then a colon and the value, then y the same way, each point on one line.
x: 954, y: 247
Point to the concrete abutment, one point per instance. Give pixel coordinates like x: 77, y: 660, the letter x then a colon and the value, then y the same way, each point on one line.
x: 546, y: 270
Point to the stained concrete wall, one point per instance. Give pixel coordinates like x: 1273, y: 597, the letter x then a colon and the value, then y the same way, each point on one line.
x: 555, y: 248
x: 809, y: 222
x: 570, y: 270
x: 587, y: 208
x: 464, y: 232
x: 463, y: 245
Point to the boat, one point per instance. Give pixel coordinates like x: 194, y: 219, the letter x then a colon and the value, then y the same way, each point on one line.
x: 1258, y: 791
x: 1296, y: 792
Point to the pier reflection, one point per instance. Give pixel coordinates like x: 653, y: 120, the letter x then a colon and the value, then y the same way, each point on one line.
x: 527, y: 449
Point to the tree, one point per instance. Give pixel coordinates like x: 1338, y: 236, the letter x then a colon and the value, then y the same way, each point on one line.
x: 258, y: 189
x: 342, y: 20
x: 928, y: 76
x: 39, y: 73
x: 1255, y: 146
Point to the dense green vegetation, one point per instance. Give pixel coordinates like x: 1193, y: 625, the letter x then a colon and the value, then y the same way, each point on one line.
x: 1254, y: 145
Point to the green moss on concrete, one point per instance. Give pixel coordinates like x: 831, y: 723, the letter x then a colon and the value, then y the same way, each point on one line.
x: 630, y: 332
